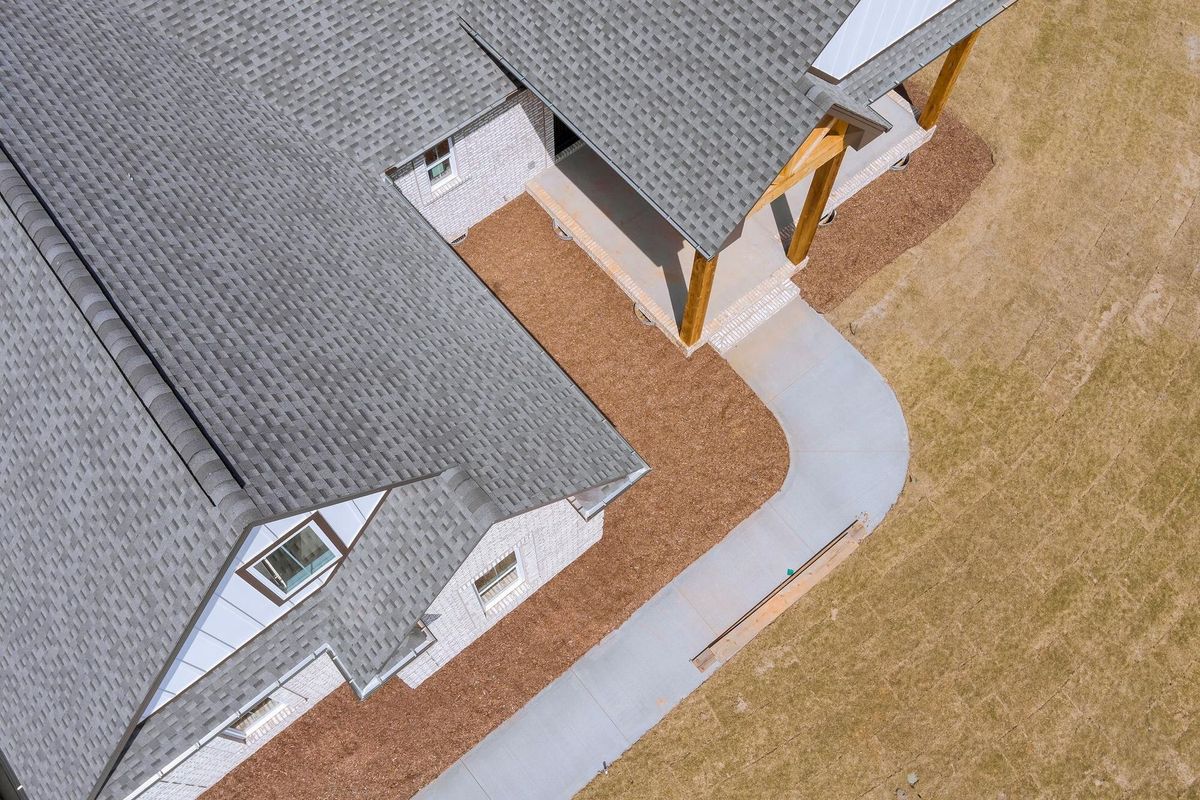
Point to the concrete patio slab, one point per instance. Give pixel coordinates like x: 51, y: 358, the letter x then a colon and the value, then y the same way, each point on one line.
x: 849, y: 459
x: 652, y: 262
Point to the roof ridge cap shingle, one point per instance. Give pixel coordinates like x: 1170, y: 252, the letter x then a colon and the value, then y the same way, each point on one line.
x: 160, y: 399
x: 150, y: 391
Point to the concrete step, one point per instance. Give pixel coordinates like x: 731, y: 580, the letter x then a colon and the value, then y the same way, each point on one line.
x: 752, y: 316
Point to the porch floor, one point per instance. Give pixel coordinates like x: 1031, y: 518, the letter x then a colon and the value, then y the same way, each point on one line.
x: 652, y: 262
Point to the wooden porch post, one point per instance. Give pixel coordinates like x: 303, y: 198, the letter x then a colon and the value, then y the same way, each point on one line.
x: 699, y: 290
x: 946, y: 79
x: 814, y: 207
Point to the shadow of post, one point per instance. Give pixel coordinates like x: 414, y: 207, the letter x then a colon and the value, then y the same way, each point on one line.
x: 785, y: 220
x: 621, y: 204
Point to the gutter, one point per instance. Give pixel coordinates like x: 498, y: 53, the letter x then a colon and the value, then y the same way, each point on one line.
x: 186, y: 754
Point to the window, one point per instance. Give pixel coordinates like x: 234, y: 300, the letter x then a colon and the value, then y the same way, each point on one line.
x: 300, y: 556
x: 291, y: 564
x: 439, y: 163
x: 499, y: 580
x: 253, y: 720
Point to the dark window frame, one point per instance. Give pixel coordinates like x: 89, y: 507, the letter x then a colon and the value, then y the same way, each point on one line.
x: 451, y: 162
x: 246, y: 571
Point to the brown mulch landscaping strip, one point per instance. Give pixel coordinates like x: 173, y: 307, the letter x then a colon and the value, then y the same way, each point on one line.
x: 716, y: 454
x: 894, y: 213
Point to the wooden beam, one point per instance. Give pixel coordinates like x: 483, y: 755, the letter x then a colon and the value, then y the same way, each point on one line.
x: 699, y: 291
x: 821, y: 145
x: 814, y: 138
x: 951, y: 68
x: 814, y: 207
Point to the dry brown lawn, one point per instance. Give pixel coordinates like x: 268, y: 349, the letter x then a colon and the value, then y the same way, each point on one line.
x: 1026, y: 622
x: 895, y: 213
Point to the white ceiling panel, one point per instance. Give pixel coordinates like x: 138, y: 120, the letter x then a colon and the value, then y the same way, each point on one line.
x: 871, y: 28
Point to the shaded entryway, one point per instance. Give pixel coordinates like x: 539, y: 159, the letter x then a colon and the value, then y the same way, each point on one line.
x: 651, y: 260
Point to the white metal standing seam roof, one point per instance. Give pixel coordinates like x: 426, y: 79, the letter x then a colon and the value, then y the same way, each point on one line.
x: 872, y: 27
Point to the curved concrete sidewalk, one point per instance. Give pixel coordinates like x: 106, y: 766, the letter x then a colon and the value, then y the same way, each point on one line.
x: 849, y: 460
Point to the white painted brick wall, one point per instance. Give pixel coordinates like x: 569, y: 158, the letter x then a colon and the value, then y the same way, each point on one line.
x: 545, y: 540
x: 201, y: 770
x: 494, y: 157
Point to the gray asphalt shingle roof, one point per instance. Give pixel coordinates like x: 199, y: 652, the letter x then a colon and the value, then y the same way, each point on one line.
x: 95, y: 490
x: 420, y: 536
x: 263, y: 325
x: 699, y: 104
x: 379, y: 80
x: 324, y: 336
x: 256, y: 327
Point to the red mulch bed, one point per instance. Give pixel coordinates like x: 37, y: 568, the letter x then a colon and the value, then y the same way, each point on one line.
x: 717, y: 454
x: 895, y: 213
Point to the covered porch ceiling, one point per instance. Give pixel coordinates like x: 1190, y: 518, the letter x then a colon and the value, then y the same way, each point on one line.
x: 652, y: 261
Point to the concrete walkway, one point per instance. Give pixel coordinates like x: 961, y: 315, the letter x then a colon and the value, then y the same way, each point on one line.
x: 849, y: 459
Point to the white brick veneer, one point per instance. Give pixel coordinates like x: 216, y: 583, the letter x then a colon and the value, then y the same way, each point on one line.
x: 215, y: 758
x: 546, y: 540
x: 494, y: 157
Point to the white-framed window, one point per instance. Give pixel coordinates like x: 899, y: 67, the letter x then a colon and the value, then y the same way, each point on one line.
x: 493, y: 585
x: 298, y: 558
x: 245, y: 726
x: 440, y: 164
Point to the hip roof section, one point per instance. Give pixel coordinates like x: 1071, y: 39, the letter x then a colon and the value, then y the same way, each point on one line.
x: 324, y: 336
